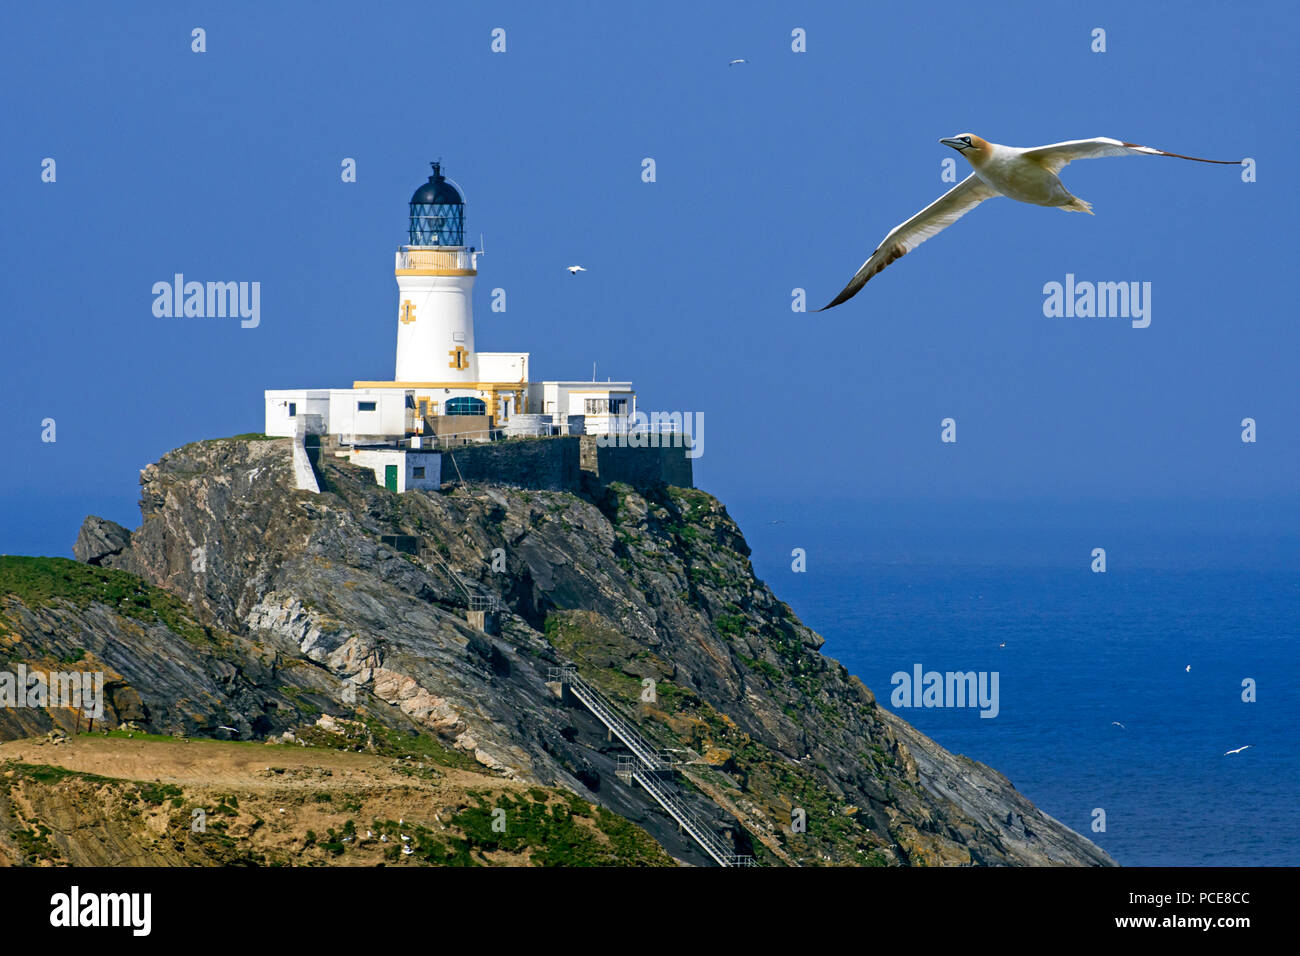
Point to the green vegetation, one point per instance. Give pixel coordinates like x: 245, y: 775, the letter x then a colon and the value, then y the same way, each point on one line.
x: 39, y: 581
x: 374, y: 737
x: 731, y: 624
x: 140, y: 735
x: 35, y: 845
x: 691, y: 502
x: 763, y: 667
x: 247, y: 436
x: 47, y: 774
x: 159, y: 793
x: 543, y: 824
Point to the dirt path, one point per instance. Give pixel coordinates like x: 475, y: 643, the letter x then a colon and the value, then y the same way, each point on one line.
x: 216, y: 764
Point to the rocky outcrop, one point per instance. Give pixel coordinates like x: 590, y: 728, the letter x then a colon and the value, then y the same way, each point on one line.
x: 163, y: 670
x: 99, y: 539
x: 650, y: 593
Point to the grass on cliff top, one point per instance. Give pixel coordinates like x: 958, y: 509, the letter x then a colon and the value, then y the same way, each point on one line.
x: 37, y: 581
x: 247, y: 436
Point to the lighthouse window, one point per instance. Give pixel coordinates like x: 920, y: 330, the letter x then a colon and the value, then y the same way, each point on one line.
x: 293, y: 409
x: 465, y: 405
x: 606, y: 406
x: 365, y: 406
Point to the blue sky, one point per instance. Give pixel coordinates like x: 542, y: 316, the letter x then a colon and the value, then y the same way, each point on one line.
x: 778, y: 174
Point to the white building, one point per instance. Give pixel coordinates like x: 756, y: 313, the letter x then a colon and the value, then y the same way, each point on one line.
x: 400, y: 470
x: 443, y: 388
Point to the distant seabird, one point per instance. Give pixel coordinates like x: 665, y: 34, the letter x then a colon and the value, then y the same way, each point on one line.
x: 1188, y: 668
x: 574, y: 270
x: 1026, y: 174
x: 734, y: 62
x: 1116, y: 723
x: 1238, y: 750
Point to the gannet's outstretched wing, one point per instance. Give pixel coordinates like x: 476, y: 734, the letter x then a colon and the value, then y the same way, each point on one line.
x: 930, y: 221
x: 1056, y: 156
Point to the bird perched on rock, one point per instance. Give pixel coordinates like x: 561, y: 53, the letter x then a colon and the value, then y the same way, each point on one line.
x: 1026, y: 174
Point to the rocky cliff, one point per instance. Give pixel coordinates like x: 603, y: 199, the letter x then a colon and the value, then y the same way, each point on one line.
x: 297, y: 607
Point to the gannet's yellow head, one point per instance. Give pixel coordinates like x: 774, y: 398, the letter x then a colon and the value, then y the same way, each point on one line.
x: 971, y: 146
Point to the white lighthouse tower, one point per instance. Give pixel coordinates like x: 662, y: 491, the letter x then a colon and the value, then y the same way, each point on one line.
x: 435, y: 282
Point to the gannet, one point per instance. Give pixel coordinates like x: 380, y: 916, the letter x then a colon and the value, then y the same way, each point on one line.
x: 1026, y: 174
x: 734, y: 62
x: 574, y: 270
x: 1238, y: 750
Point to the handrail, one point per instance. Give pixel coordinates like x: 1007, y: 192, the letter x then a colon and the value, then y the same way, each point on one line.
x: 705, y: 837
x: 651, y: 765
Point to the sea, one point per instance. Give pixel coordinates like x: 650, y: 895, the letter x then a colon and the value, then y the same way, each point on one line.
x: 1120, y: 692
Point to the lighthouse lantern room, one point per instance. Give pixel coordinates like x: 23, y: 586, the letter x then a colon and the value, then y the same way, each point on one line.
x: 435, y: 284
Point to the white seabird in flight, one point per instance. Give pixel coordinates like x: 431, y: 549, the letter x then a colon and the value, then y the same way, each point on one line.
x: 1238, y: 750
x: 734, y: 62
x: 1026, y: 174
x: 574, y: 270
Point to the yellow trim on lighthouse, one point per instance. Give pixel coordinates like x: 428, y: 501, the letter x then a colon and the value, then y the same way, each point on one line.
x: 435, y: 272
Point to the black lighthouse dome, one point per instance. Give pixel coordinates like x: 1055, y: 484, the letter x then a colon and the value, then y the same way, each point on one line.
x: 437, y: 213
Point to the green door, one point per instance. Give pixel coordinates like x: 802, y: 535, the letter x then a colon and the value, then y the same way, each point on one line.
x: 390, y: 477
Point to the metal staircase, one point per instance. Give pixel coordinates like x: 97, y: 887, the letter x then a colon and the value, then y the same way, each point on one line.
x: 647, y: 766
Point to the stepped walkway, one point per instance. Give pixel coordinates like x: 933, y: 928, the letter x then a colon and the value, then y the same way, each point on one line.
x: 648, y: 767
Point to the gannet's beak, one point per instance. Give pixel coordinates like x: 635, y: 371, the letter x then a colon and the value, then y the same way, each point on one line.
x: 955, y: 144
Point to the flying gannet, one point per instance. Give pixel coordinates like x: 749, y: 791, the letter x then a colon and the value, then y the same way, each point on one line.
x: 1238, y: 750
x: 1020, y: 173
x: 574, y: 270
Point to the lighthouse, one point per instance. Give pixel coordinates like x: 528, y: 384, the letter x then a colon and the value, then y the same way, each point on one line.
x: 435, y: 283
x: 444, y: 391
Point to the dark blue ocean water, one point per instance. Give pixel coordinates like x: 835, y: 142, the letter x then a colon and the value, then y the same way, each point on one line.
x: 890, y: 587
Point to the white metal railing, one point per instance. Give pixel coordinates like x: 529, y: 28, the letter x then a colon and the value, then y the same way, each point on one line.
x: 644, y: 766
x: 595, y: 702
x: 450, y: 259
x: 702, y: 833
x: 477, y: 601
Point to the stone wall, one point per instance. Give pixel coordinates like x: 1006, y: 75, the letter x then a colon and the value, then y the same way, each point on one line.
x: 560, y: 464
x: 549, y: 464
x: 638, y: 467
